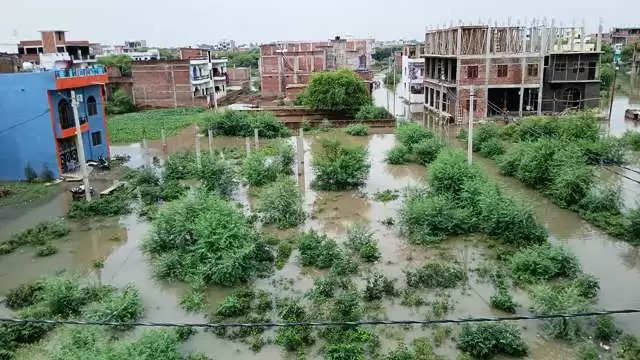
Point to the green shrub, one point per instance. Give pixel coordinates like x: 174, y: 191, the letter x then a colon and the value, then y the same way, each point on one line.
x: 218, y: 176
x: 462, y: 134
x: 46, y: 250
x: 435, y: 275
x: 587, y: 286
x: 317, y: 250
x: 602, y: 199
x: 38, y: 235
x: 606, y: 330
x: 12, y: 335
x: 369, y: 252
x: 492, y: 148
x: 427, y: 217
x: 427, y: 150
x: 120, y: 103
x: 114, y: 204
x: 124, y: 306
x: 360, y: 240
x: 629, y: 348
x: 265, y: 165
x: 343, y: 266
x: 377, y: 286
x: 543, y: 263
x: 242, y: 123
x: 236, y: 305
x: 295, y: 337
x: 484, y: 134
x: 450, y: 171
x: 372, y: 112
x: 346, y: 307
x: 30, y: 174
x: 588, y: 352
x: 560, y: 298
x: 350, y: 343
x: 633, y: 229
x: 421, y: 350
x: 536, y: 162
x: 339, y: 167
x: 357, y: 130
x: 484, y: 341
x: 24, y: 295
x: 571, y: 179
x: 397, y: 155
x: 604, y: 151
x: 502, y: 300
x: 410, y: 134
x: 181, y: 166
x: 340, y: 90
x: 281, y: 204
x: 386, y: 195
x: 632, y: 139
x: 204, y: 237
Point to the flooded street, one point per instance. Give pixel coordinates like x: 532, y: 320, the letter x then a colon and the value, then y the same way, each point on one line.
x: 614, y: 263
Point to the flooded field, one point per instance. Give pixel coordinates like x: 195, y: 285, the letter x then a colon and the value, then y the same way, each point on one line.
x: 117, y: 241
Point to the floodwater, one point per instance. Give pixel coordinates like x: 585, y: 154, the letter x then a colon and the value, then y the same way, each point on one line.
x: 627, y: 97
x: 118, y: 241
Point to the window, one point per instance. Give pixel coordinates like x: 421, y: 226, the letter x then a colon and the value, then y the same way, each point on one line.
x: 60, y: 49
x: 64, y: 114
x: 503, y: 70
x: 475, y: 105
x: 96, y: 138
x: 92, y: 107
x: 532, y: 69
x: 59, y: 35
x: 560, y: 66
x: 472, y: 72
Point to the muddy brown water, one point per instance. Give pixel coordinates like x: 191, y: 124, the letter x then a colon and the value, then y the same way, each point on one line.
x: 615, y: 263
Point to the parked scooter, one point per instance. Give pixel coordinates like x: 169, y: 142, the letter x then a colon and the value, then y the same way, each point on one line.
x: 101, y: 163
x: 77, y: 192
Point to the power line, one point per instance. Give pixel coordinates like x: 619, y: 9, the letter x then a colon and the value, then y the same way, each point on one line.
x: 23, y: 122
x: 320, y: 323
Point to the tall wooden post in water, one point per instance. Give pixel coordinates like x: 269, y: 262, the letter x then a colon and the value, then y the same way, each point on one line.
x: 198, y: 159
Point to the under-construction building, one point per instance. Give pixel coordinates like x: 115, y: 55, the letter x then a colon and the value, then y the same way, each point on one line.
x: 514, y: 70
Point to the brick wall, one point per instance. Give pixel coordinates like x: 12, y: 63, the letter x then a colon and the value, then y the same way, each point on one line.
x: 479, y: 105
x: 48, y: 42
x: 238, y: 76
x: 190, y: 53
x: 163, y: 84
x: 465, y: 65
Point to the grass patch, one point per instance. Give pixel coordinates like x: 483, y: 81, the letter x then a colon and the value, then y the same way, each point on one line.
x: 484, y: 341
x: 318, y: 250
x: 543, y: 263
x: 265, y: 165
x: 281, y: 204
x: 243, y: 123
x: 133, y: 127
x: 208, y: 239
x: 421, y: 349
x: 114, y: 204
x: 23, y: 192
x: 435, y: 275
x: 38, y: 235
x: 340, y: 167
x: 386, y: 195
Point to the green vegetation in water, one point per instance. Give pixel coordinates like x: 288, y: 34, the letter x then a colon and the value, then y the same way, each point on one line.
x: 421, y: 349
x: 372, y: 112
x: 46, y: 250
x: 357, y: 130
x: 114, y: 204
x: 386, y: 195
x: 339, y: 167
x: 485, y: 341
x: 341, y: 90
x: 267, y: 164
x: 435, y: 275
x: 543, y: 263
x: 409, y: 134
x: 318, y: 250
x: 24, y: 192
x: 427, y: 150
x: 148, y: 124
x: 281, y: 204
x: 243, y: 123
x: 378, y: 286
x: 460, y: 200
x: 293, y: 338
x: 360, y: 240
x: 206, y: 238
x: 632, y: 139
x: 63, y: 297
x: 38, y: 235
x: 398, y: 155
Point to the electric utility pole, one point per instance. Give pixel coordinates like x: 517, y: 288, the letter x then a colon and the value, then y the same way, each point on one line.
x: 472, y: 94
x: 80, y: 147
x: 613, y: 92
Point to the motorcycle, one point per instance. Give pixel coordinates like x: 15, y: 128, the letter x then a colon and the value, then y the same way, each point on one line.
x: 101, y: 163
x: 77, y: 192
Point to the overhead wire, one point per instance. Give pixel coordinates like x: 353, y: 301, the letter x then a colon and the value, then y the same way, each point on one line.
x: 46, y: 111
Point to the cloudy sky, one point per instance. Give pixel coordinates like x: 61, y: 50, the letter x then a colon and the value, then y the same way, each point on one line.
x: 188, y: 22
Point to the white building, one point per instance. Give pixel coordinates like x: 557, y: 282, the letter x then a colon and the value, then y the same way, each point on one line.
x: 412, y: 87
x: 135, y: 49
x: 208, y: 77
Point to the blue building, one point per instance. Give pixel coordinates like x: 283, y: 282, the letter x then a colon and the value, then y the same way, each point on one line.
x: 37, y: 126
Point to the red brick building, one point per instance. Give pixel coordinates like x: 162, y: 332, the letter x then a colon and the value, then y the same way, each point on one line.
x: 286, y: 67
x: 55, y: 42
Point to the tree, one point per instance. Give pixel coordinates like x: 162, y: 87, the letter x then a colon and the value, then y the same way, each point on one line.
x: 607, y: 54
x: 384, y: 53
x: 607, y: 72
x: 122, y: 62
x: 627, y: 53
x: 167, y: 54
x: 341, y: 90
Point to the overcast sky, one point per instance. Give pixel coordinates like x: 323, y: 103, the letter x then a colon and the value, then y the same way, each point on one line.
x: 188, y: 22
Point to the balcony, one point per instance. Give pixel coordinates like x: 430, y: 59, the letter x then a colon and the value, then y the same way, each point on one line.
x: 200, y: 79
x: 80, y: 77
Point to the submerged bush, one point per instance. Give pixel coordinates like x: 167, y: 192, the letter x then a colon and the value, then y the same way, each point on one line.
x: 450, y: 171
x: 484, y: 341
x: 208, y: 239
x: 484, y: 134
x: 357, y: 130
x: 602, y: 199
x: 427, y: 217
x: 181, y: 166
x: 295, y: 337
x: 410, y: 134
x: 218, y: 176
x: 109, y: 205
x: 372, y: 112
x: 24, y: 295
x: 318, y: 250
x: 38, y: 235
x: 360, y: 241
x: 604, y: 151
x: 339, y: 167
x: 265, y: 165
x: 543, y: 263
x: 492, y: 148
x: 632, y: 139
x: 124, y: 306
x: 561, y: 298
x: 281, y: 204
x: 397, y: 155
x: 435, y: 275
x: 428, y: 149
x: 242, y: 123
x: 633, y: 229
